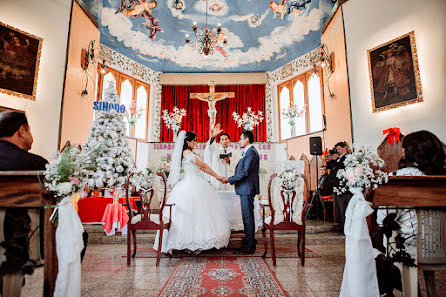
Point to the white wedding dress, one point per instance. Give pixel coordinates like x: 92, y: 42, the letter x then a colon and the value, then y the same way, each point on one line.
x: 198, y: 219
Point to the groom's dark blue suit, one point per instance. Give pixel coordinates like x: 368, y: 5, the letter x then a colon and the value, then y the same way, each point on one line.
x: 246, y: 181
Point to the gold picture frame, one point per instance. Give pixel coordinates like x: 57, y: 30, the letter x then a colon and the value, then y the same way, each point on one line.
x: 394, y: 73
x: 19, y: 62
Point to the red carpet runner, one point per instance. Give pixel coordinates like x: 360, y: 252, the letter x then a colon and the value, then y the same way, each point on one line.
x: 222, y: 276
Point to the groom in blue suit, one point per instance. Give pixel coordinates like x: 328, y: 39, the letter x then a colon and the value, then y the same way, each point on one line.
x: 246, y: 181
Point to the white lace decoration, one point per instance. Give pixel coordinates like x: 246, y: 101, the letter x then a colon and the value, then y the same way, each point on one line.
x: 175, y: 168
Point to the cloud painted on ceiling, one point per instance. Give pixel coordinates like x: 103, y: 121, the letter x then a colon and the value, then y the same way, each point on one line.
x: 262, y: 35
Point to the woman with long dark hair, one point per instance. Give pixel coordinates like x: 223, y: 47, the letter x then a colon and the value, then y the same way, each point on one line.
x: 423, y: 154
x: 198, y: 219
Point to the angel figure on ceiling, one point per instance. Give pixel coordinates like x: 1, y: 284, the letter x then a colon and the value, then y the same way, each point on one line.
x: 215, y: 7
x: 178, y: 5
x: 292, y: 8
x: 141, y: 8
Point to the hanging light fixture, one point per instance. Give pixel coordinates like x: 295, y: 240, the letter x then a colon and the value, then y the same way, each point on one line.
x: 206, y: 39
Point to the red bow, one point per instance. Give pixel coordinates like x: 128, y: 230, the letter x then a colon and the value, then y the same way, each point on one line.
x: 324, y: 155
x: 394, y: 135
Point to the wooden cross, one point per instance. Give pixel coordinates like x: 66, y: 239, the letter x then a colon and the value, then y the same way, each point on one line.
x: 211, y: 98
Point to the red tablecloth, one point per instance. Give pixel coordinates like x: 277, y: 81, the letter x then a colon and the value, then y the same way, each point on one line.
x: 91, y: 210
x: 115, y: 217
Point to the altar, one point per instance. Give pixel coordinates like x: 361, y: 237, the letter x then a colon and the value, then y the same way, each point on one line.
x: 156, y: 155
x: 231, y: 203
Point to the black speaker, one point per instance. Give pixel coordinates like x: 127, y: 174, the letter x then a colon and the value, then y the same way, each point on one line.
x: 316, y: 145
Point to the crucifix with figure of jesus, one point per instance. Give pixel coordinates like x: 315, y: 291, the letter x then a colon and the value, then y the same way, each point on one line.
x: 211, y: 98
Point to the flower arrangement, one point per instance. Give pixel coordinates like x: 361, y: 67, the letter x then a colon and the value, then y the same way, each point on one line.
x: 293, y: 112
x: 173, y: 119
x: 144, y: 180
x: 289, y: 180
x: 61, y: 176
x: 248, y: 119
x: 133, y: 114
x: 362, y: 170
x: 165, y: 165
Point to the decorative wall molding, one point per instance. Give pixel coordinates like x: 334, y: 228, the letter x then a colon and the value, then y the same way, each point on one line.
x: 126, y: 65
x: 287, y: 71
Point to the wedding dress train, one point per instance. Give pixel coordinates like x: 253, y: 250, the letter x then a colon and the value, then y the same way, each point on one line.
x: 198, y: 219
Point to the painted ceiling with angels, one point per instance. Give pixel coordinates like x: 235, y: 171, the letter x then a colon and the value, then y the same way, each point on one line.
x: 262, y: 35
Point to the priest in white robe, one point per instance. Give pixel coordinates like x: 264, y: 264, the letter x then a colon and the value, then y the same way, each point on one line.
x: 219, y: 156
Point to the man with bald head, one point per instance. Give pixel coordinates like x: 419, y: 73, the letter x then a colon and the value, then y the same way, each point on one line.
x: 15, y: 142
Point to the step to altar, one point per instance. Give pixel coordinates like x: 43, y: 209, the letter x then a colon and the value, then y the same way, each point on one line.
x: 327, y: 238
x: 317, y: 232
x: 313, y: 226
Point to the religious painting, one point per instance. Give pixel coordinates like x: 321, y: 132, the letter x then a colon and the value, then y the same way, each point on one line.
x: 19, y: 62
x: 394, y: 73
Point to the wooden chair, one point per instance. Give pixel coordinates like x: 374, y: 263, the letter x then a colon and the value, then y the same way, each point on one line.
x: 146, y: 220
x: 288, y: 198
x: 325, y: 199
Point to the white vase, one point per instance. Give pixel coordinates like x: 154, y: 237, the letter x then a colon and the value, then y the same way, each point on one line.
x: 293, y: 130
x: 175, y: 135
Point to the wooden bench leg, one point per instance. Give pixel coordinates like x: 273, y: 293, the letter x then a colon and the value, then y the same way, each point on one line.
x: 273, y: 247
x: 265, y: 243
x: 12, y: 285
x: 129, y: 245
x: 134, y: 243
x: 429, y: 278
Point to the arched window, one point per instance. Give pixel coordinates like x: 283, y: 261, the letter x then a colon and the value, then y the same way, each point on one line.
x: 299, y: 99
x: 284, y: 99
x: 306, y: 94
x: 315, y: 103
x: 132, y: 92
x: 107, y: 80
x: 127, y: 99
x: 141, y: 103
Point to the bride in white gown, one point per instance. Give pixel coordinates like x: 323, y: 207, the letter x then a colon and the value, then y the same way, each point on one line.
x: 198, y: 219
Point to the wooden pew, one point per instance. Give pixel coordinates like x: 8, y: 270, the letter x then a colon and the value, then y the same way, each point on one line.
x: 412, y: 191
x: 22, y: 189
x: 415, y: 192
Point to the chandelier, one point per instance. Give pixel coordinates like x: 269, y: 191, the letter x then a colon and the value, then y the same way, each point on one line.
x: 206, y: 39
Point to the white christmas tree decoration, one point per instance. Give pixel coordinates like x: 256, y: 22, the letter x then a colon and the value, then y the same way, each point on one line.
x: 106, y: 159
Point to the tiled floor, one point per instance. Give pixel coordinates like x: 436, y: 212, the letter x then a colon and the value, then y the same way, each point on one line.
x: 105, y: 273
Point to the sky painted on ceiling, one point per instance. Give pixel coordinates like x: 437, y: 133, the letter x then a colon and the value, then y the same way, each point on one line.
x: 262, y: 35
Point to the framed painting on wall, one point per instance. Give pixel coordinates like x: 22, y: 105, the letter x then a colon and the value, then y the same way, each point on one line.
x: 394, y: 73
x: 19, y: 62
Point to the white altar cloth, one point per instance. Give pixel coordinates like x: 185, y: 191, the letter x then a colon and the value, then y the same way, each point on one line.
x: 231, y: 203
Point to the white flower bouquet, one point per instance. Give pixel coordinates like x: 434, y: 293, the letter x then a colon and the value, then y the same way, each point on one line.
x: 362, y: 170
x: 144, y: 180
x: 289, y: 180
x: 61, y: 176
x: 293, y: 112
x: 173, y: 119
x: 248, y: 119
x: 165, y: 165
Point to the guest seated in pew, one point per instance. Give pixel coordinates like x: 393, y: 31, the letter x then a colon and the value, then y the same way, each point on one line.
x: 15, y: 142
x: 324, y: 185
x: 423, y: 155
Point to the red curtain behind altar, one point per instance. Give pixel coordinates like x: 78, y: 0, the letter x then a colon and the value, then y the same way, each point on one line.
x: 197, y: 119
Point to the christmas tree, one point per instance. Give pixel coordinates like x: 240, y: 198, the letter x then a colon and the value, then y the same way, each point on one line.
x: 106, y: 159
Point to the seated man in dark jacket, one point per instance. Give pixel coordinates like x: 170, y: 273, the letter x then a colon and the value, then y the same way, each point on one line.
x: 15, y: 142
x: 324, y: 186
